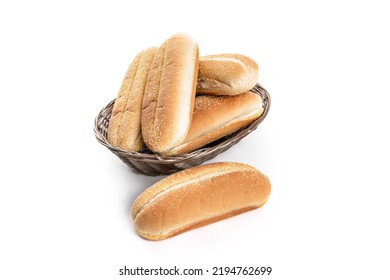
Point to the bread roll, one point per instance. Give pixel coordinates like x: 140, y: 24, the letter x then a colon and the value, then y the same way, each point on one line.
x: 226, y: 74
x: 198, y: 196
x: 124, y: 128
x: 169, y: 94
x: 218, y: 116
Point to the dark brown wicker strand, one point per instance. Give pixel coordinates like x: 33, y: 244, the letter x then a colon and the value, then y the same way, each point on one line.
x: 148, y: 163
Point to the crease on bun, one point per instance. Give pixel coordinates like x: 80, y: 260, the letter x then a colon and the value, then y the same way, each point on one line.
x: 170, y: 93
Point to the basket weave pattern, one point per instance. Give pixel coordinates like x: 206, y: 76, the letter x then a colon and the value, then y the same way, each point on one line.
x: 148, y: 163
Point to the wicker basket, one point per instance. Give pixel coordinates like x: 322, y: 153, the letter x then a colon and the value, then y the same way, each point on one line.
x: 148, y: 163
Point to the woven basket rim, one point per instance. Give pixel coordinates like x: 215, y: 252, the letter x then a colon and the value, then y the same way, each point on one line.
x: 155, y: 158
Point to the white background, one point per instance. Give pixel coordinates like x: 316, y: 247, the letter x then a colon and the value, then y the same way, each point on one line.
x: 65, y: 199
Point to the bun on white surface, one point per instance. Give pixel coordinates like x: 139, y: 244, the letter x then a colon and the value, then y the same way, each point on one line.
x: 198, y: 196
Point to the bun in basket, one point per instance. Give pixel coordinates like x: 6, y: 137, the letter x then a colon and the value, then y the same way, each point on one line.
x: 168, y: 102
x: 124, y: 129
x: 217, y: 116
x: 226, y: 74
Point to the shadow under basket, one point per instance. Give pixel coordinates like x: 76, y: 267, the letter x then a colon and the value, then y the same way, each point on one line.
x: 148, y: 163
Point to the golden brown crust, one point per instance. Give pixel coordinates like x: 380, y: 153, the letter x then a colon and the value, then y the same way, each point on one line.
x: 199, y: 224
x: 170, y: 93
x: 218, y: 116
x: 124, y: 129
x: 164, y: 184
x: 198, y: 196
x: 226, y: 74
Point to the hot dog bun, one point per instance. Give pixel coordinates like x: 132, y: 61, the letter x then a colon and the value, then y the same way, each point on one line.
x: 218, y: 116
x: 198, y: 196
x: 226, y: 74
x: 124, y: 128
x: 170, y: 93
